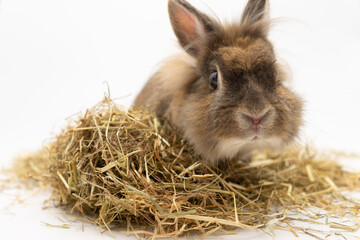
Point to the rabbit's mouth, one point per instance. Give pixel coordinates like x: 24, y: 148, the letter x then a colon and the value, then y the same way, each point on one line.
x: 256, y: 134
x: 259, y: 135
x: 255, y: 138
x: 258, y: 142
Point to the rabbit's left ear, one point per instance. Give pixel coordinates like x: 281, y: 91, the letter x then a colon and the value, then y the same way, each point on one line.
x: 256, y: 16
x: 190, y: 25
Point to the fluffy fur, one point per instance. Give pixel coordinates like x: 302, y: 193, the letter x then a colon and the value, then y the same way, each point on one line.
x: 219, y: 123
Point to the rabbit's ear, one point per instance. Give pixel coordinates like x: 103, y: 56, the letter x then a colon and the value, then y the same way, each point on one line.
x: 190, y: 25
x: 256, y: 16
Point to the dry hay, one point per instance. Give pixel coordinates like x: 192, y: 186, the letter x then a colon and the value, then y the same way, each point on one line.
x: 130, y: 170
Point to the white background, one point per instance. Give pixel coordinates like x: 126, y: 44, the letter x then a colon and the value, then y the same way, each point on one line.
x: 56, y: 55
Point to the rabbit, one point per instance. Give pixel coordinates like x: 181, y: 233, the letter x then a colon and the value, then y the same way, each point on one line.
x: 226, y: 93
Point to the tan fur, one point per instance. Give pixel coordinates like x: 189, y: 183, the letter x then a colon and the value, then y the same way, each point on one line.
x: 218, y: 123
x: 174, y: 74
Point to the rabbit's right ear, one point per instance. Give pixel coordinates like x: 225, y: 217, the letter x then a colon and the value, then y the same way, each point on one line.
x: 255, y: 17
x: 190, y: 25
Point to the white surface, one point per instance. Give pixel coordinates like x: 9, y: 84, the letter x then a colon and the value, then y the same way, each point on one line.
x: 55, y: 56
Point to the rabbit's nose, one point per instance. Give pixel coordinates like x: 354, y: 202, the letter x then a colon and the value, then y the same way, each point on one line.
x: 256, y: 119
x: 253, y: 120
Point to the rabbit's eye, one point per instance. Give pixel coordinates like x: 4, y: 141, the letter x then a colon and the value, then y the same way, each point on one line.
x: 213, y: 79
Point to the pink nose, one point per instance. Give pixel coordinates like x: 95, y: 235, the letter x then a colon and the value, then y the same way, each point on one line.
x: 256, y: 121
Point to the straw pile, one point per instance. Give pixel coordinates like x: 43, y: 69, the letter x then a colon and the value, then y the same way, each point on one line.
x: 131, y: 170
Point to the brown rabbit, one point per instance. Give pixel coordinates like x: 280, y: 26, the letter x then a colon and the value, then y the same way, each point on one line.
x: 226, y: 92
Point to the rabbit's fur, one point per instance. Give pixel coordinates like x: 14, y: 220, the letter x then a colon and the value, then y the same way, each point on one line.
x: 250, y: 108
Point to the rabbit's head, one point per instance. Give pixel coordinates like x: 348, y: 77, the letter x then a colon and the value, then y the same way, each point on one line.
x: 239, y: 99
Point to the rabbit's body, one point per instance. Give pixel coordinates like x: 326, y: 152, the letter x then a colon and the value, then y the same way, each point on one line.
x: 225, y: 94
